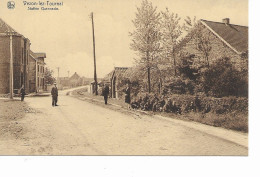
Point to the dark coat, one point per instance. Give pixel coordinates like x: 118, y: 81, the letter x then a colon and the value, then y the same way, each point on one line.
x: 22, y: 91
x: 54, y: 91
x: 127, y: 95
x: 106, y: 91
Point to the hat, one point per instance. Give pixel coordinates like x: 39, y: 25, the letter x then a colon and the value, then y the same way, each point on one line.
x: 55, y: 83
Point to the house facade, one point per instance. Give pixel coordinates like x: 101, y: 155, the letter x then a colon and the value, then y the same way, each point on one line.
x: 36, y: 72
x: 20, y: 51
x: 113, y: 80
x: 28, y: 67
x: 218, y: 40
x: 40, y: 82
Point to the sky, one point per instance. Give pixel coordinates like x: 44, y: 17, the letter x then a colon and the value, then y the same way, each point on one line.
x: 66, y: 35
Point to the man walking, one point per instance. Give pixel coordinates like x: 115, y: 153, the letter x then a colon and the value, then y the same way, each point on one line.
x: 105, y: 93
x: 54, y: 93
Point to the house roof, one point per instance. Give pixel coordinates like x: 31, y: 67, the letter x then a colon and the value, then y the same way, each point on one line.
x: 5, y: 28
x: 235, y: 36
x: 37, y: 55
x: 116, y: 72
x: 74, y: 76
x: 40, y: 55
x: 120, y: 70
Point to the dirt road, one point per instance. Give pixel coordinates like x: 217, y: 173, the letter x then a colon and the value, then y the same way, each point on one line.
x: 77, y: 127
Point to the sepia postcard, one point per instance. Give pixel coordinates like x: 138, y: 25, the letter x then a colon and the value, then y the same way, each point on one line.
x: 124, y: 78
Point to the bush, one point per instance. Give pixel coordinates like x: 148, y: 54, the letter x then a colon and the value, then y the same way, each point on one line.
x: 222, y: 79
x: 227, y: 112
x: 189, y: 103
x: 179, y: 86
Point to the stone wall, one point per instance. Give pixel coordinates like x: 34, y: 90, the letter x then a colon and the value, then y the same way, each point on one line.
x: 219, y: 50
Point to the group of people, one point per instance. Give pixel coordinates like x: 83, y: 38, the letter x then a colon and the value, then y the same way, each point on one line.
x: 54, y: 93
x: 105, y: 93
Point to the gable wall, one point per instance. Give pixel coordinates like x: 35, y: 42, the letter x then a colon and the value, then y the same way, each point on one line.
x: 219, y: 50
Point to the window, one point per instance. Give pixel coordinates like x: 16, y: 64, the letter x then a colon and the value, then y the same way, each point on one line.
x: 38, y: 68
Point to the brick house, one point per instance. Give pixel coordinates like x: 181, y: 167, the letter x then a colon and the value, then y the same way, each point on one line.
x: 20, y: 51
x: 223, y: 40
x: 36, y: 72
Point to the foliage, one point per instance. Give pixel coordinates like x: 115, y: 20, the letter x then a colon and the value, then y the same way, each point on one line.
x: 171, y: 31
x: 163, y: 68
x: 227, y: 112
x: 223, y: 79
x: 146, y: 36
x: 48, y: 76
x: 200, y: 36
x: 186, y: 67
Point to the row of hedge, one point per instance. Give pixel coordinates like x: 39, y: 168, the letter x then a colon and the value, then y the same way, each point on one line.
x: 189, y: 103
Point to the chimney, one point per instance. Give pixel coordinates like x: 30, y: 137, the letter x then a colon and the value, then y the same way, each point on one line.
x: 226, y: 21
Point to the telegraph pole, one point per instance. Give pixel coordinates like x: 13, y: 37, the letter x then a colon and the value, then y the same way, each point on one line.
x: 58, y: 74
x: 68, y: 74
x: 94, y: 54
x: 11, y: 67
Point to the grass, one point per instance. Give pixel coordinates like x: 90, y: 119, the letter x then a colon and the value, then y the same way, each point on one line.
x: 235, y: 120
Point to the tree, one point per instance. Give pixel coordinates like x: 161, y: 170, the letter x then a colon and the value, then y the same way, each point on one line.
x: 200, y: 37
x: 171, y: 31
x: 146, y: 37
x: 48, y: 76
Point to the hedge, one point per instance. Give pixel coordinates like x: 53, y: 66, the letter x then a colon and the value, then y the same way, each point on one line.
x: 189, y: 103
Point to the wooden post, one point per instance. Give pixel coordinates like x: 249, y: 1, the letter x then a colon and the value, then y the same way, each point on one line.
x: 58, y: 75
x: 11, y: 67
x: 94, y: 54
x: 36, y: 72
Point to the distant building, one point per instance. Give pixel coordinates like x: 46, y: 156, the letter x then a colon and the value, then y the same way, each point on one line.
x: 75, y: 80
x: 68, y: 82
x: 63, y: 82
x: 21, y: 51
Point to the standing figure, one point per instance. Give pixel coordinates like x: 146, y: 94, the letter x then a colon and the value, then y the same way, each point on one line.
x: 22, y: 93
x: 127, y: 96
x: 105, y: 93
x: 54, y: 93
